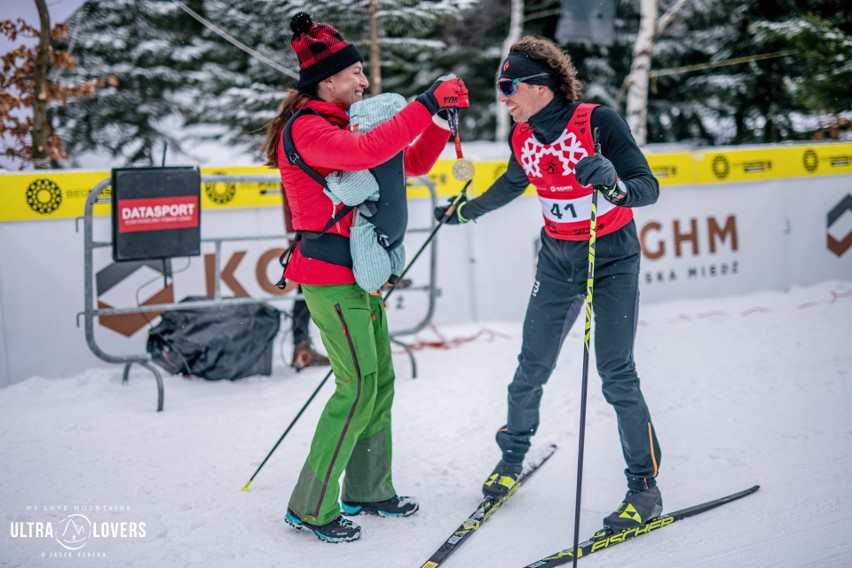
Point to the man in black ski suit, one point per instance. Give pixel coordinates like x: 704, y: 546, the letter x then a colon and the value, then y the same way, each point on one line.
x: 553, y: 148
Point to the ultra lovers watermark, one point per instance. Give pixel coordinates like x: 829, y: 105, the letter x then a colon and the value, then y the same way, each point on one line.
x: 77, y: 529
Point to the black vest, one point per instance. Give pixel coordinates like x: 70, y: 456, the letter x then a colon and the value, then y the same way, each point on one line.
x: 389, y: 214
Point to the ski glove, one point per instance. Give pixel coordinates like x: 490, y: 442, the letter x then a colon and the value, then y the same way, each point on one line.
x: 455, y: 216
x: 598, y: 171
x: 448, y: 92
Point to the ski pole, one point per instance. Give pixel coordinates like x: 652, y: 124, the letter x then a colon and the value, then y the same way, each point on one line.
x: 449, y: 213
x: 590, y: 282
x: 304, y: 407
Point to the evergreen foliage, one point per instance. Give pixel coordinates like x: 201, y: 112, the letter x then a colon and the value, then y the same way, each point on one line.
x: 148, y: 48
x: 173, y: 73
x: 761, y: 101
x: 243, y: 94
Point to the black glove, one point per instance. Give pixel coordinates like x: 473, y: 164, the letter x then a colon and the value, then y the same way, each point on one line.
x: 598, y: 171
x: 448, y: 91
x: 456, y: 217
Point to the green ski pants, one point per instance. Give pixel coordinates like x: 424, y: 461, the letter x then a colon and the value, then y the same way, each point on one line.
x: 354, y: 430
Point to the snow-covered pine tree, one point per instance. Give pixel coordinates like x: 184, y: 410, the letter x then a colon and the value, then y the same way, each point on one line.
x: 763, y: 100
x: 476, y: 47
x: 820, y: 72
x: 243, y: 93
x: 146, y: 46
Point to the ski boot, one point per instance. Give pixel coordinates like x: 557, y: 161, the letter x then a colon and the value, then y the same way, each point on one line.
x: 338, y: 530
x: 502, y: 480
x: 394, y: 507
x: 305, y: 356
x: 639, y: 507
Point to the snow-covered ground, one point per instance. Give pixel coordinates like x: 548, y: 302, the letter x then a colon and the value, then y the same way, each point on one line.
x: 744, y: 390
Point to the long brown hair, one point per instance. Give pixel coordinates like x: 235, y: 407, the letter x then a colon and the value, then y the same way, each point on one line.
x: 294, y: 101
x: 552, y: 55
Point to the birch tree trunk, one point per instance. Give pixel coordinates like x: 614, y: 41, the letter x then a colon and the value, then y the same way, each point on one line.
x: 638, y: 78
x: 636, y: 82
x: 516, y: 24
x: 39, y: 131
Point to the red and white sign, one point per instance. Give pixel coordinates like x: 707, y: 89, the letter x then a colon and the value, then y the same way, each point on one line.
x: 157, y: 213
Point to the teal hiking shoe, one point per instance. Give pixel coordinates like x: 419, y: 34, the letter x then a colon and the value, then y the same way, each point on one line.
x: 396, y: 506
x: 338, y: 530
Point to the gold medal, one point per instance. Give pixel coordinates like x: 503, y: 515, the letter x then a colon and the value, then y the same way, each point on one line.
x: 463, y: 170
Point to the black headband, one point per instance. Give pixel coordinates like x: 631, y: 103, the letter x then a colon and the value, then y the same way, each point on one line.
x: 518, y: 65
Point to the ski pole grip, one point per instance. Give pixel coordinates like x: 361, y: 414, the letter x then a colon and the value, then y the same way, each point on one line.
x: 452, y: 208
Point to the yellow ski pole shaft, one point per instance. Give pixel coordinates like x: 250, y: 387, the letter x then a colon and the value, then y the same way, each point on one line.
x: 590, y: 282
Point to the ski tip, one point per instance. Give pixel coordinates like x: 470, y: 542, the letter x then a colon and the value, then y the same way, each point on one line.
x: 245, y: 487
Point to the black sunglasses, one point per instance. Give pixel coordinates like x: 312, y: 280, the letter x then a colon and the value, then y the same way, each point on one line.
x: 510, y: 86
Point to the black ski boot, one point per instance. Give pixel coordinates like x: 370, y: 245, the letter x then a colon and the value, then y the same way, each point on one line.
x: 502, y: 479
x: 338, y: 530
x: 639, y: 507
x: 394, y: 507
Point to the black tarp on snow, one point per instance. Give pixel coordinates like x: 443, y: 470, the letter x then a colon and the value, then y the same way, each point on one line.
x: 223, y: 342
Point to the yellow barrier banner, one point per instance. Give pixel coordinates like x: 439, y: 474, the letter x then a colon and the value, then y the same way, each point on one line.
x: 775, y: 162
x: 672, y: 169
x: 240, y: 194
x: 57, y: 194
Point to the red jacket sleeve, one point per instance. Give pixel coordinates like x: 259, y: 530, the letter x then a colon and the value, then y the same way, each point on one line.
x: 425, y: 151
x: 324, y: 145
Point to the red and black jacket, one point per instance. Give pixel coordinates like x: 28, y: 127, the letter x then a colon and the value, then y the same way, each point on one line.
x: 325, y: 144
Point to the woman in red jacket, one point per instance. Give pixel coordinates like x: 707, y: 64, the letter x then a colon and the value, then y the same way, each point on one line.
x: 354, y: 430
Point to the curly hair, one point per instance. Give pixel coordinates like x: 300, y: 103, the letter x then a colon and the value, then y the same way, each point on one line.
x: 544, y: 50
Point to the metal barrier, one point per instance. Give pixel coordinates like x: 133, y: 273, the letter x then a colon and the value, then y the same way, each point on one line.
x: 90, y: 312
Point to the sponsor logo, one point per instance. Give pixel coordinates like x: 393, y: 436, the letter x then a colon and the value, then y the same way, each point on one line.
x: 721, y: 167
x: 111, y: 276
x: 631, y: 533
x: 839, y: 226
x: 157, y: 213
x: 691, y: 238
x: 119, y: 281
x: 810, y: 161
x: 663, y: 171
x: 44, y: 196
x: 220, y: 193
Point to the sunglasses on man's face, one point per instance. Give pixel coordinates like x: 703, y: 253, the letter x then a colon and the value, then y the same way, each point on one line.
x: 509, y: 87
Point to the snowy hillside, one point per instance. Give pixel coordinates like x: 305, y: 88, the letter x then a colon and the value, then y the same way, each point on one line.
x: 743, y: 390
